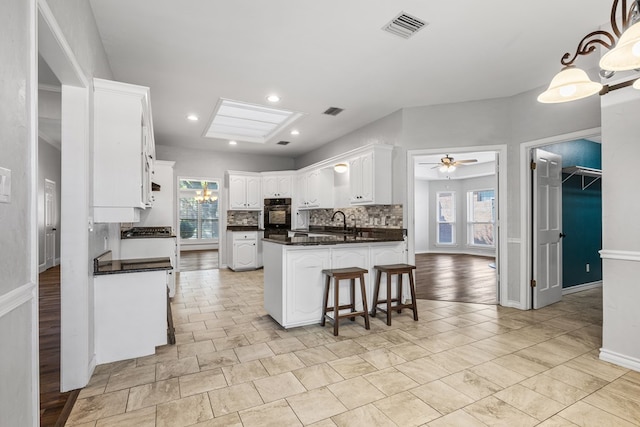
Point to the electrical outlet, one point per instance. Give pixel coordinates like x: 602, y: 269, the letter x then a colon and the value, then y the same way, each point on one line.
x: 588, y: 268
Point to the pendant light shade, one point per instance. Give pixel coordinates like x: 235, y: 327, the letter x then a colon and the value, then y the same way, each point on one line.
x: 568, y: 85
x: 626, y: 55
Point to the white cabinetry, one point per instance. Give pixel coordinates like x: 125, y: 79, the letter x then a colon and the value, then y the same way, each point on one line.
x: 242, y: 250
x: 163, y: 211
x: 370, y: 176
x: 130, y: 315
x: 245, y: 191
x: 315, y: 189
x: 294, y: 283
x: 123, y: 151
x: 305, y: 267
x: 277, y: 185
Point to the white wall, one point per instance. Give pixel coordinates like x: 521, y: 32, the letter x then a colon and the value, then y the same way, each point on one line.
x: 620, y: 228
x: 422, y: 216
x: 18, y: 257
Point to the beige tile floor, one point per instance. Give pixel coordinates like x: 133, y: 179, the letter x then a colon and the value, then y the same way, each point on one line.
x: 460, y: 365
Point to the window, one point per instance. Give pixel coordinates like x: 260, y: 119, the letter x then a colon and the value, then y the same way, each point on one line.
x: 199, y: 213
x: 481, y: 217
x: 446, y: 214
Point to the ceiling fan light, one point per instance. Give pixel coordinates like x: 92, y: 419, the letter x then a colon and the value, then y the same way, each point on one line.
x: 626, y: 54
x: 569, y: 84
x: 636, y: 84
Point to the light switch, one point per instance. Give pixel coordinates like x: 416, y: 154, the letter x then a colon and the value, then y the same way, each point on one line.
x: 5, y: 185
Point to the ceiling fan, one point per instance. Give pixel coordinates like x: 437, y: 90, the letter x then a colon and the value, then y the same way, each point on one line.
x: 449, y: 164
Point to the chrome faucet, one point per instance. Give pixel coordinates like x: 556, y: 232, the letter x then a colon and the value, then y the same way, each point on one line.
x: 344, y: 219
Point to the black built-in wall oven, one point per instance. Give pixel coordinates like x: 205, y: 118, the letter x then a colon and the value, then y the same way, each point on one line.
x: 277, y: 216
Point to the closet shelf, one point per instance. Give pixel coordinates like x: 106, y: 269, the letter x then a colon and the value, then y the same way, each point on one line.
x: 582, y: 171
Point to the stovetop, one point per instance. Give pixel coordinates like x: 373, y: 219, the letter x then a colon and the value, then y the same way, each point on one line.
x: 163, y: 231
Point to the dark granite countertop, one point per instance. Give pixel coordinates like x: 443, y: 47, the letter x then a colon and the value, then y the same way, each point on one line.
x: 328, y: 239
x: 105, y: 265
x: 243, y: 228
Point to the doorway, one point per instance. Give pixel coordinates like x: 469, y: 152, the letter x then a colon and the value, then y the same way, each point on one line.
x: 566, y: 239
x: 581, y: 213
x: 198, y: 223
x: 455, y: 214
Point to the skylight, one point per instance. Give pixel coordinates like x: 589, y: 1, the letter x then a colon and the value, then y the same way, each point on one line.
x: 248, y: 122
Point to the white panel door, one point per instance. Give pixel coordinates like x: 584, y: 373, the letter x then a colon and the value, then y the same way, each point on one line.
x: 49, y: 223
x: 547, y: 223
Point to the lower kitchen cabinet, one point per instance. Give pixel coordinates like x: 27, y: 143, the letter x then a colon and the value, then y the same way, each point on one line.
x: 130, y: 315
x: 242, y: 250
x: 294, y: 283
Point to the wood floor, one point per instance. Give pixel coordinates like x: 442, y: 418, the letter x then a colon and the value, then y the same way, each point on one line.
x: 456, y: 277
x: 198, y: 260
x: 54, y: 405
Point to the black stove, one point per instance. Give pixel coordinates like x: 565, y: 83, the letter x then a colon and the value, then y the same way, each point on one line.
x: 163, y: 231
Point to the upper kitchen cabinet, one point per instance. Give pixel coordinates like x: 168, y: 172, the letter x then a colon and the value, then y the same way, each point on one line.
x: 315, y: 189
x: 370, y: 176
x: 277, y: 184
x: 245, y: 191
x: 124, y: 151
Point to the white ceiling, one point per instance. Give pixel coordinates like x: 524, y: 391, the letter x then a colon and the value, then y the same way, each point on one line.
x: 332, y: 53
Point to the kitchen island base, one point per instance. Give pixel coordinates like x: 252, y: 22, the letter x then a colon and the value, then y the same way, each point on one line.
x: 294, y: 283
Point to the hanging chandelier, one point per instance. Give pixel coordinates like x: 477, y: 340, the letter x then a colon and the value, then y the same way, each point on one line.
x: 572, y: 83
x: 205, y: 195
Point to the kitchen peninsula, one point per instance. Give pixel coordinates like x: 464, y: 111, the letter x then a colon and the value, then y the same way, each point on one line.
x: 293, y: 279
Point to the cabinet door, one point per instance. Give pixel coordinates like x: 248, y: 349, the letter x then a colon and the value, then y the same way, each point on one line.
x: 270, y: 186
x: 254, y: 192
x: 285, y: 186
x: 355, y: 179
x: 305, y: 285
x: 301, y: 190
x: 237, y: 192
x: 366, y: 178
x: 313, y: 188
x: 361, y: 178
x: 245, y: 254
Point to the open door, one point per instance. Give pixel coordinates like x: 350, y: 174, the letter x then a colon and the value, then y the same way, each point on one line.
x: 546, y: 282
x: 49, y: 223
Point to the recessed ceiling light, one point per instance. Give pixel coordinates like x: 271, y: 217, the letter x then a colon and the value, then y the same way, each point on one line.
x: 233, y: 143
x: 295, y: 132
x: 273, y: 98
x: 192, y: 118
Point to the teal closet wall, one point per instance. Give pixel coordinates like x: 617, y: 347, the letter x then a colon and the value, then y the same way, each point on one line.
x: 581, y: 214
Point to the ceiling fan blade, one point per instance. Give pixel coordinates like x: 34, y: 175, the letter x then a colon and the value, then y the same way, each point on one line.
x: 466, y: 161
x: 429, y: 163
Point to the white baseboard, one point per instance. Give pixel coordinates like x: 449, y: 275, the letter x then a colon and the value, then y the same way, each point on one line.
x: 583, y: 287
x: 620, y: 359
x: 42, y: 267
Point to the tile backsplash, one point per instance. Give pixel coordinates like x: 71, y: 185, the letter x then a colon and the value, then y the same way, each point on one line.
x: 381, y: 216
x: 242, y: 218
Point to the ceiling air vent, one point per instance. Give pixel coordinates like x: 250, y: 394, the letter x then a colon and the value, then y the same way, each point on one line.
x: 283, y: 142
x: 404, y: 25
x: 333, y: 111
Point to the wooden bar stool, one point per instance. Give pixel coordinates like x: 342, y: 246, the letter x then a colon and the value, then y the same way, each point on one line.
x: 351, y: 273
x: 390, y: 270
